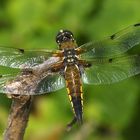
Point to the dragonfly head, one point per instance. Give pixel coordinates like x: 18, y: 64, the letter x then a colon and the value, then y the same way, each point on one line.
x: 64, y: 36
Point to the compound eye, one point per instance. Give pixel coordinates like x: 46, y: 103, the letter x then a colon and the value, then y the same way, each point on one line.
x: 68, y: 35
x: 59, y: 38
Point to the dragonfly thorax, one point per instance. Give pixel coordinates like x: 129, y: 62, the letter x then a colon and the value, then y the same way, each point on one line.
x: 70, y: 56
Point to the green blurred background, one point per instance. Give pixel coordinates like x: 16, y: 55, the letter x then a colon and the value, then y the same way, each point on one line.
x: 111, y: 112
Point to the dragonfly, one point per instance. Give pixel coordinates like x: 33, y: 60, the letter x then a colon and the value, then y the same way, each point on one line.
x: 41, y: 71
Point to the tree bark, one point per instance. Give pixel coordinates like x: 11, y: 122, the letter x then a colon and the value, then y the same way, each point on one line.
x: 18, y: 117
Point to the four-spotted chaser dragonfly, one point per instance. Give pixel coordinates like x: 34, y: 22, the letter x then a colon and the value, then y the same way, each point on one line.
x: 34, y: 72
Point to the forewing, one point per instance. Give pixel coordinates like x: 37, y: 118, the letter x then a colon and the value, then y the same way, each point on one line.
x: 50, y: 83
x: 107, y: 71
x: 19, y: 58
x: 114, y: 45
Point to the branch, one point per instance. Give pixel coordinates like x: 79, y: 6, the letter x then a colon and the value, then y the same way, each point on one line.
x: 18, y: 117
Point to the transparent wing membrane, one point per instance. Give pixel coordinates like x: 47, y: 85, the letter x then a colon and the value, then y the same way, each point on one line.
x: 50, y: 83
x: 19, y: 58
x: 6, y: 74
x: 114, y: 45
x: 30, y: 84
x: 107, y: 71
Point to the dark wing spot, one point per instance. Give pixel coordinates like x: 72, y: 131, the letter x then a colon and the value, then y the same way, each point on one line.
x: 88, y: 65
x: 112, y: 36
x: 110, y: 60
x: 138, y: 24
x: 21, y: 50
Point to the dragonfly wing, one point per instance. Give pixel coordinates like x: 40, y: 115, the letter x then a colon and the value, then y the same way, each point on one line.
x: 107, y: 71
x: 19, y: 58
x: 7, y: 74
x: 31, y: 86
x: 50, y: 83
x: 30, y: 81
x: 114, y: 45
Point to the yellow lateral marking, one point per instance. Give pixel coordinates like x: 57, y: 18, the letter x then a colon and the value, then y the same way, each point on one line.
x: 81, y: 89
x: 82, y: 96
x: 70, y: 98
x: 66, y: 83
x: 72, y: 103
x: 82, y: 103
x: 68, y: 90
x: 73, y: 108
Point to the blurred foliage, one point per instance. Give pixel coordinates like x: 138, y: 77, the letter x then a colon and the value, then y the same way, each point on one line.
x: 111, y: 112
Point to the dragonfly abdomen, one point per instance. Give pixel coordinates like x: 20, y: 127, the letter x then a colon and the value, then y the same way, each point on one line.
x: 74, y: 89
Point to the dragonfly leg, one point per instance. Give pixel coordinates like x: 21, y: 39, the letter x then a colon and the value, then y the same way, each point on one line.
x: 69, y: 125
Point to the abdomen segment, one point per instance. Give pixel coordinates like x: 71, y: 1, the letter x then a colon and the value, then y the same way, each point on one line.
x: 74, y: 89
